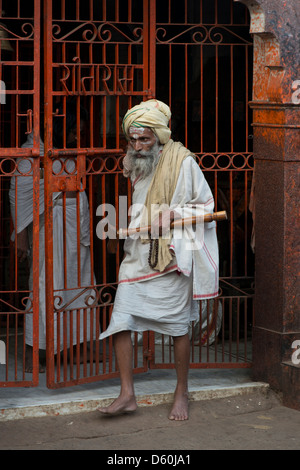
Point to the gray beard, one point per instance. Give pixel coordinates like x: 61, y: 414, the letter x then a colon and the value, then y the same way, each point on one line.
x: 144, y: 164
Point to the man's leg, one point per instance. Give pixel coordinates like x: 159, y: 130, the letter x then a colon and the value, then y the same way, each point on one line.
x: 179, y: 410
x: 126, y: 401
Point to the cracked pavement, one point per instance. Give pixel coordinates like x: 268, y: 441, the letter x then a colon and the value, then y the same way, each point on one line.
x: 254, y: 421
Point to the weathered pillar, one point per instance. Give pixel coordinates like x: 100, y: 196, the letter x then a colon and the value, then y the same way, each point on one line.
x: 276, y: 123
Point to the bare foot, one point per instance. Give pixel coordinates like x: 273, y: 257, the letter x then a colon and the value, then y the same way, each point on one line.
x: 180, y: 407
x: 119, y: 406
x: 29, y: 361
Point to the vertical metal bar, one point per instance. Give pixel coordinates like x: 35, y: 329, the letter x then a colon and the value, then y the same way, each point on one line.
x: 63, y: 10
x: 246, y: 223
x: 104, y: 316
x: 63, y: 349
x: 91, y: 209
x: 186, y: 92
x: 230, y: 330
x: 215, y: 313
x: 216, y: 191
x: 36, y: 193
x: 116, y: 11
x: 170, y: 76
x: 231, y: 98
x: 245, y: 329
x: 201, y: 12
x: 15, y: 287
x: 209, y: 309
x: 231, y: 223
x: 129, y: 11
x: 58, y: 356
x: 48, y: 108
x: 217, y: 102
x: 149, y: 46
x: 84, y: 345
x: 78, y: 238
x: 103, y: 199
x: 77, y: 11
x: 201, y: 97
x: 71, y: 351
x: 135, y: 350
x: 192, y: 341
x: 170, y: 349
x: 23, y: 348
x: 16, y: 346
x: 91, y: 326
x: 63, y: 195
x: 77, y: 343
x: 200, y: 330
x: 104, y: 110
x: 246, y: 100
x: 237, y: 328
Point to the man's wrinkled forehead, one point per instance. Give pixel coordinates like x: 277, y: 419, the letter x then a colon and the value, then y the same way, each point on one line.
x: 137, y: 132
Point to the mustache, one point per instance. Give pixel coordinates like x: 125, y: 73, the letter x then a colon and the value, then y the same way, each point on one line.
x: 141, y: 153
x: 151, y: 153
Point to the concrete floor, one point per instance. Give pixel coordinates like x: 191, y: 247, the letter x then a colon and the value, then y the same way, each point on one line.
x: 152, y: 388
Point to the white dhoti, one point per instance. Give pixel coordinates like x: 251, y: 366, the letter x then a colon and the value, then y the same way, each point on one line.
x: 164, y: 304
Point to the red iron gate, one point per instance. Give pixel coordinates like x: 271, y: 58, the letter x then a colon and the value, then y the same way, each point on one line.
x: 20, y: 117
x: 99, y: 59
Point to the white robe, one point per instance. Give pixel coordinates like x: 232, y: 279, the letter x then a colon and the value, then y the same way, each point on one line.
x: 21, y: 193
x: 166, y: 302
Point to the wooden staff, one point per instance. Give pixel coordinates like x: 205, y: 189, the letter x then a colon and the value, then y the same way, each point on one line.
x: 112, y: 243
x: 176, y: 223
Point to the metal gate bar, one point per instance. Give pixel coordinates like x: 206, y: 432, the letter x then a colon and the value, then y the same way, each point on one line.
x: 19, y: 117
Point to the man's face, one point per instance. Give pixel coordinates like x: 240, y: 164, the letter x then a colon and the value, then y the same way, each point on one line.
x: 143, y: 151
x: 141, y: 139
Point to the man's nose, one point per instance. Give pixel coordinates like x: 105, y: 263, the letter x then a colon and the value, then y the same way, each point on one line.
x: 138, y: 145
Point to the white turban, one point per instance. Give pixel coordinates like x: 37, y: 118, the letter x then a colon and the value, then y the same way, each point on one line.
x: 153, y: 114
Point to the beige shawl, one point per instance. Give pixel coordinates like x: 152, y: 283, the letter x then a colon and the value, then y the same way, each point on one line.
x: 160, y: 194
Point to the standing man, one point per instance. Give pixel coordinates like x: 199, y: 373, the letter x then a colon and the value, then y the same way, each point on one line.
x: 164, y: 275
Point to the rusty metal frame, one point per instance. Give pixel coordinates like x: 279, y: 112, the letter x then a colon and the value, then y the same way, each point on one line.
x: 25, y: 32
